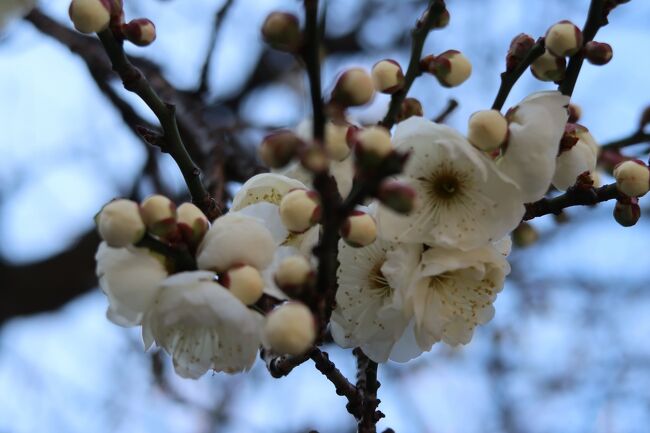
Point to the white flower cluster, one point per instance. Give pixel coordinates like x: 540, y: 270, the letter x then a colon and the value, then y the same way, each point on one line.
x: 405, y: 281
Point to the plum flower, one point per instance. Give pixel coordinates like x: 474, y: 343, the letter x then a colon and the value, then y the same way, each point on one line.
x: 370, y: 300
x: 202, y: 326
x: 464, y: 201
x: 580, y: 157
x: 536, y: 127
x: 453, y: 292
x: 130, y: 278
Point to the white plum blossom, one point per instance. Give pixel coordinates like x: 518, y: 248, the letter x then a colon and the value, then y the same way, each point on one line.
x: 536, y: 127
x: 202, y: 326
x: 130, y: 278
x: 581, y: 157
x: 453, y: 292
x: 236, y: 239
x: 370, y: 300
x: 464, y: 200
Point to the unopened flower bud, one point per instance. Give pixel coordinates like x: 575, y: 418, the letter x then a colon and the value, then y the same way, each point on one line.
x: 279, y: 148
x: 359, y: 229
x: 290, y: 329
x: 192, y: 223
x: 397, y: 195
x: 524, y: 235
x: 575, y: 113
x: 451, y: 68
x: 548, y: 67
x: 281, y: 31
x: 598, y: 53
x: 632, y: 178
x: 90, y: 16
x: 314, y: 159
x: 293, y: 274
x: 627, y: 211
x: 245, y: 282
x: 439, y: 22
x: 159, y: 215
x: 353, y: 88
x: 487, y: 130
x: 387, y: 76
x: 140, y: 32
x: 410, y: 107
x: 371, y: 145
x: 119, y: 223
x: 336, y: 144
x: 519, y: 47
x: 300, y: 210
x: 563, y: 39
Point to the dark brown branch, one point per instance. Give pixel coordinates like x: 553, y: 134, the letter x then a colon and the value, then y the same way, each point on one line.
x: 510, y: 77
x: 637, y: 138
x: 572, y: 197
x: 205, y: 69
x: 311, y: 56
x: 280, y: 366
x: 367, y: 385
x: 342, y: 385
x: 418, y: 36
x: 452, y: 104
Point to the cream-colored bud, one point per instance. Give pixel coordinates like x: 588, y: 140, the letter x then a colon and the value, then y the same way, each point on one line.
x: 300, y: 210
x: 141, y: 31
x: 354, y: 87
x: 632, y: 178
x: 374, y: 140
x: 159, y: 215
x: 563, y: 39
x: 451, y: 68
x: 119, y: 223
x: 548, y: 67
x: 359, y: 230
x: 192, y: 222
x: 290, y: 329
x: 89, y: 16
x: 487, y: 130
x: 293, y: 272
x: 336, y: 144
x: 245, y: 282
x: 387, y: 76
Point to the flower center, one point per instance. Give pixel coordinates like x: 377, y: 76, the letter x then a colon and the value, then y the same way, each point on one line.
x: 378, y: 282
x: 445, y: 184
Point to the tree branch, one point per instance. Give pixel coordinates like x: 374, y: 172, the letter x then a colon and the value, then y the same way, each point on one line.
x: 342, y: 385
x: 205, y: 69
x: 574, y: 196
x: 510, y: 77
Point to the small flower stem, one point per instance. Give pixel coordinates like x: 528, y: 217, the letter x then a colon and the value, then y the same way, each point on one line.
x: 510, y: 77
x: 418, y: 36
x: 134, y: 81
x: 572, y: 197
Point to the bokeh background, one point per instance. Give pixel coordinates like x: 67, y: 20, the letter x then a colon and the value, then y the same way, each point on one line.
x: 568, y: 350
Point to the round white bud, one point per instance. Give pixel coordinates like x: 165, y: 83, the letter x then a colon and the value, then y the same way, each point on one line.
x: 632, y: 178
x: 451, y: 68
x: 548, y: 67
x: 140, y: 32
x: 487, y: 130
x: 563, y: 39
x: 387, y: 76
x: 354, y: 87
x: 119, y: 223
x: 245, y: 282
x: 192, y: 222
x: 293, y: 272
x: 159, y: 215
x: 336, y: 144
x: 374, y: 140
x: 300, y: 210
x: 89, y: 16
x: 359, y: 229
x: 290, y: 329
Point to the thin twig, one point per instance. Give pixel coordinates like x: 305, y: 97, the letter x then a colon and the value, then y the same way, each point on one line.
x: 572, y: 197
x: 205, y: 69
x: 342, y: 385
x: 452, y: 104
x: 637, y: 138
x: 510, y: 77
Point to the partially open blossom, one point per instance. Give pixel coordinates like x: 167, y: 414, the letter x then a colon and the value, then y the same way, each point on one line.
x: 140, y: 32
x: 290, y: 329
x: 598, y: 53
x: 235, y: 239
x: 281, y: 31
x: 192, y: 223
x: 130, y: 278
x: 359, y: 229
x: 632, y: 178
x: 353, y: 88
x: 300, y: 210
x: 464, y: 201
x: 159, y: 215
x: 202, y: 325
x: 579, y: 156
x: 627, y: 212
x: 410, y: 107
x: 369, y: 309
x: 487, y: 130
x: 294, y: 273
x: 387, y: 76
x: 536, y: 127
x: 549, y: 67
x: 453, y: 292
x: 563, y: 39
x: 397, y: 196
x: 245, y: 282
x: 279, y: 148
x: 89, y: 16
x: 451, y: 68
x: 119, y: 223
